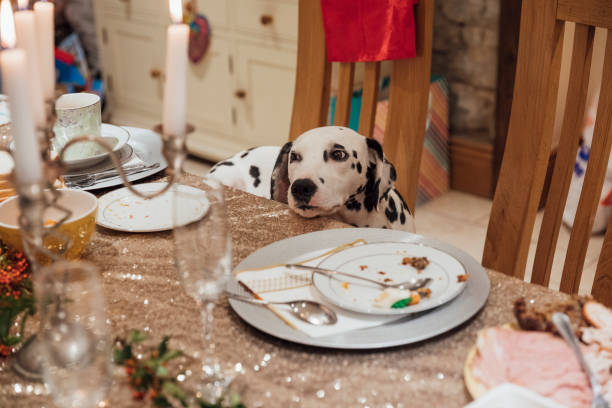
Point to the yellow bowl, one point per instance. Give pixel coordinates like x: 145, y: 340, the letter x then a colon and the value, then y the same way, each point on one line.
x: 79, y: 227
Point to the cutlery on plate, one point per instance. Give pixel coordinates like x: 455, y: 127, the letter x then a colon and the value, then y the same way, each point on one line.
x: 91, y: 179
x: 562, y: 323
x: 412, y: 284
x: 309, y: 311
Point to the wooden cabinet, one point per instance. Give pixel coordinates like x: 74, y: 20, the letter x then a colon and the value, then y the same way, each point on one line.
x: 240, y: 95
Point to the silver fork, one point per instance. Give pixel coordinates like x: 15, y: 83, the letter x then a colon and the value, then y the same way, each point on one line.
x: 90, y: 179
x: 562, y: 323
x: 413, y: 284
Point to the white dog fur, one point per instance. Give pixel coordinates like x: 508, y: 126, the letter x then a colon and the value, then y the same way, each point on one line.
x: 326, y: 171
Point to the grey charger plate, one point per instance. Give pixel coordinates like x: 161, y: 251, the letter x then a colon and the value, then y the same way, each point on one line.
x: 411, y: 329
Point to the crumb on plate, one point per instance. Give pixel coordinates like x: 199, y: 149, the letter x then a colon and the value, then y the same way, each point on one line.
x: 463, y: 278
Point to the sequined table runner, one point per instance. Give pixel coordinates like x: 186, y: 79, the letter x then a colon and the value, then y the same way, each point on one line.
x: 142, y: 292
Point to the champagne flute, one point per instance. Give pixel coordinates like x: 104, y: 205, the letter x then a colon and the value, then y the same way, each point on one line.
x: 203, y: 258
x: 74, y: 337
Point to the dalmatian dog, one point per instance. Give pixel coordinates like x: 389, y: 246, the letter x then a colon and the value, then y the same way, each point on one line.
x: 329, y: 170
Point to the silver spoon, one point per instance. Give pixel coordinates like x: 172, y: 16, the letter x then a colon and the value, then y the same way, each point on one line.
x: 412, y: 284
x: 309, y: 311
x: 562, y: 323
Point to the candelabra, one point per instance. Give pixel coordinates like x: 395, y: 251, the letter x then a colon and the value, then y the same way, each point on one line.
x: 37, y: 198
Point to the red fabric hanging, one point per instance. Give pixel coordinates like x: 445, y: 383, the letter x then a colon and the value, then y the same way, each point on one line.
x: 369, y: 30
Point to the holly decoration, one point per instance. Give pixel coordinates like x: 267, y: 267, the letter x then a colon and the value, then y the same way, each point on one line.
x: 16, y: 297
x: 150, y: 377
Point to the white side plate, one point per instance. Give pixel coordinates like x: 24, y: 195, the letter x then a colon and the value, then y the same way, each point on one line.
x: 121, y: 210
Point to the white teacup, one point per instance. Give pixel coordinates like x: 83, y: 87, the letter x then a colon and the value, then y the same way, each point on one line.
x: 78, y: 114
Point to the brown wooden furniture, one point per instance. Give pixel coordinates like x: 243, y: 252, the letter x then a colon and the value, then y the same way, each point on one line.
x: 528, y: 147
x: 409, y: 91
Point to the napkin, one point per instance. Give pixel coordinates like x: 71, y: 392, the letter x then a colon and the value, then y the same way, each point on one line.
x: 277, y: 283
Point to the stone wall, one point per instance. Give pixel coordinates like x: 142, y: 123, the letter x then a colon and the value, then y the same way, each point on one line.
x: 465, y: 52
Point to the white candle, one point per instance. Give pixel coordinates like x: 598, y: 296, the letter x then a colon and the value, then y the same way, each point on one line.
x: 44, y: 14
x: 26, y: 40
x: 16, y: 84
x: 175, y: 90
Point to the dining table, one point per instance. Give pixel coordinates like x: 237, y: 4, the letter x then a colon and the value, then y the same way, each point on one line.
x: 143, y: 292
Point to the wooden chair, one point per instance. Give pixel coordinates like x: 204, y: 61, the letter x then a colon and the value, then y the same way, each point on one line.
x: 409, y: 91
x: 528, y: 146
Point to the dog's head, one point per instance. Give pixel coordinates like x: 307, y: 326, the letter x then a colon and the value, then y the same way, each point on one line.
x: 327, y: 167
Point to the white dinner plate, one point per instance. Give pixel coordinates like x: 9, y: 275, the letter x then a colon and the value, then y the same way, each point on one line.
x: 406, y: 330
x: 121, y: 210
x: 383, y: 262
x: 144, y: 144
x: 116, y: 136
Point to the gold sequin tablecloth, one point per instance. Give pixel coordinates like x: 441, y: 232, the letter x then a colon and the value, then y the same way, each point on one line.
x: 142, y: 292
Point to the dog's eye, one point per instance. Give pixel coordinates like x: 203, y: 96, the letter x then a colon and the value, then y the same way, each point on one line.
x: 339, y: 155
x: 295, y: 157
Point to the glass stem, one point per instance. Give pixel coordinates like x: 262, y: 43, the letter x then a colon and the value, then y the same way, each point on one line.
x: 207, y: 318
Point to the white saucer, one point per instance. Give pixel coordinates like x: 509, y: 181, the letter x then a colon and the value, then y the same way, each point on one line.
x: 121, y: 210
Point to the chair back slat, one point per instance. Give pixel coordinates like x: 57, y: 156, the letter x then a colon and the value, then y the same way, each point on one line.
x: 528, y: 145
x: 566, y: 154
x: 313, y: 73
x: 346, y: 75
x: 407, y: 112
x: 593, y: 181
x: 602, y: 284
x: 369, y: 98
x: 596, y: 13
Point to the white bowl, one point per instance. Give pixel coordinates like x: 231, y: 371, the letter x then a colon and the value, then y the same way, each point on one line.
x: 512, y: 396
x: 115, y: 135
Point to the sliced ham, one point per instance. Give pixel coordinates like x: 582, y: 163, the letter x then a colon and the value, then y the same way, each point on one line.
x: 538, y: 361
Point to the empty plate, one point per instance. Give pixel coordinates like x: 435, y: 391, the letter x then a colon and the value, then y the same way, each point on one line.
x: 121, y: 210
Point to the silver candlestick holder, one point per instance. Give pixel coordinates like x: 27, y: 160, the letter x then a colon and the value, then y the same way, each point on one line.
x: 37, y: 198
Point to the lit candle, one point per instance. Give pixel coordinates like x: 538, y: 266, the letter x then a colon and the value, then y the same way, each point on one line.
x: 175, y: 90
x: 44, y: 12
x: 26, y: 40
x: 16, y: 84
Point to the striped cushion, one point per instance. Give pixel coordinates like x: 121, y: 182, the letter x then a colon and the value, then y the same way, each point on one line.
x: 434, y: 178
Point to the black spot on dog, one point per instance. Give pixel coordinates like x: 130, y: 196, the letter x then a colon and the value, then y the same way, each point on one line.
x: 324, y: 155
x: 355, y: 153
x: 391, y: 211
x: 359, y: 167
x: 361, y: 189
x: 371, y: 188
x: 245, y: 154
x: 322, y: 181
x: 404, y: 205
x: 254, y: 172
x: 212, y: 170
x: 225, y: 163
x: 403, y: 218
x: 339, y: 146
x: 352, y: 204
x: 374, y: 145
x: 384, y: 227
x: 392, y: 173
x: 352, y: 165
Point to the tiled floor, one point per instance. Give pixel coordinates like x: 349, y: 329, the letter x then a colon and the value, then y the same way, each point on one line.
x: 461, y: 219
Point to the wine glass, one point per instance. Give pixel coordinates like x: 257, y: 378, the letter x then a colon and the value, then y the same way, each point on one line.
x: 202, y: 244
x: 74, y: 338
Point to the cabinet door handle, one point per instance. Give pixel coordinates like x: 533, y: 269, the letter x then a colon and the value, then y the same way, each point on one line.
x: 266, y: 19
x: 155, y: 73
x: 240, y: 94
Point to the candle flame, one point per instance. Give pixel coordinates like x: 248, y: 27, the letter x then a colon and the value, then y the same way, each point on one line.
x: 22, y: 4
x: 176, y: 11
x: 7, y: 25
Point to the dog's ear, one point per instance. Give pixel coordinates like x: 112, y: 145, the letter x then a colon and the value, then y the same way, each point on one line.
x: 279, y: 185
x: 380, y: 175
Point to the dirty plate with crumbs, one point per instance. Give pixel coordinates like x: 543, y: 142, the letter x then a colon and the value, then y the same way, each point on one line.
x: 386, y: 262
x: 121, y: 210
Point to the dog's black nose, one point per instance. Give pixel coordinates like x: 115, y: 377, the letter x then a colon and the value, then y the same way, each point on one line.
x: 303, y: 190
